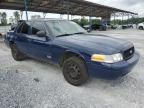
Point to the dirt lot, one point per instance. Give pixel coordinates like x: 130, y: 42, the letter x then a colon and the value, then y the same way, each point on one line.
x: 33, y: 84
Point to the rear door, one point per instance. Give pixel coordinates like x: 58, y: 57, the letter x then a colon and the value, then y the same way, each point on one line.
x: 39, y: 47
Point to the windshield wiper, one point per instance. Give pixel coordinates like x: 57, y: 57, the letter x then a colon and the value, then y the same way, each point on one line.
x: 63, y: 35
x: 70, y: 34
x: 79, y: 33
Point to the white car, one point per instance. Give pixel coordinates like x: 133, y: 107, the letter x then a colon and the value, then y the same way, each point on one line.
x: 141, y: 26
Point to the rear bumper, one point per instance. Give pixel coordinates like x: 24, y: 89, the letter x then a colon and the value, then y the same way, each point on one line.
x: 7, y: 43
x: 110, y: 71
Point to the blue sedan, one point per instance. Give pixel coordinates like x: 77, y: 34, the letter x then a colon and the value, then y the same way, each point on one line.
x: 77, y: 52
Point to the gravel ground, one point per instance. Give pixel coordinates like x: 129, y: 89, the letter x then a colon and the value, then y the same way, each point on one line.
x: 33, y: 84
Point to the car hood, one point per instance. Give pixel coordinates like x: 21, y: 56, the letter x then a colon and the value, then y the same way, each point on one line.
x: 95, y: 43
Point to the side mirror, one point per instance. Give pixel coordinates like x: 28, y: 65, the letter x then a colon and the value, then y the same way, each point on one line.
x: 41, y: 34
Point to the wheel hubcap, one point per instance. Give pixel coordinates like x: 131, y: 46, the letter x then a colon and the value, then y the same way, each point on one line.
x: 74, y: 71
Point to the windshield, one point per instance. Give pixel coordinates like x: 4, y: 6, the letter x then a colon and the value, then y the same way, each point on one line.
x: 63, y: 27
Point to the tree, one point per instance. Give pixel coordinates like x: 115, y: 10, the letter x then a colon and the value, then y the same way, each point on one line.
x: 3, y: 18
x: 76, y: 20
x: 11, y: 20
x: 84, y: 21
x: 96, y: 21
x: 0, y: 17
x: 17, y: 16
x: 128, y: 21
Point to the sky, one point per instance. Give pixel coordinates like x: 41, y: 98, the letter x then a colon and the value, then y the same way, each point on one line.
x: 136, y: 6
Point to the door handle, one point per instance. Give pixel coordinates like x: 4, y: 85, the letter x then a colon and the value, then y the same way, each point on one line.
x: 37, y: 41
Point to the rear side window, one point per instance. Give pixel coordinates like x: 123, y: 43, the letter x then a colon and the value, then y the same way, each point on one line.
x: 19, y: 27
x: 24, y: 28
x: 37, y: 26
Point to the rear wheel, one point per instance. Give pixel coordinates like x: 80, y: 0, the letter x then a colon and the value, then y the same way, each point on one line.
x: 141, y: 28
x: 75, y: 71
x: 17, y: 55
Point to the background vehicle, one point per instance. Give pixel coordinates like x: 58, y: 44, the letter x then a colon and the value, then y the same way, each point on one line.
x: 78, y: 53
x: 95, y: 27
x: 127, y: 26
x: 141, y: 26
x: 113, y: 26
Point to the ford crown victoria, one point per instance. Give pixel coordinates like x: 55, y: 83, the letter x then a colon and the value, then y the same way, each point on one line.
x: 79, y: 53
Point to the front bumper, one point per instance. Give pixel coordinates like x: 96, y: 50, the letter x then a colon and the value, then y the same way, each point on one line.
x: 110, y: 71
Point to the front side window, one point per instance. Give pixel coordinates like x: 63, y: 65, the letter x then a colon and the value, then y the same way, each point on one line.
x: 60, y: 27
x: 36, y: 27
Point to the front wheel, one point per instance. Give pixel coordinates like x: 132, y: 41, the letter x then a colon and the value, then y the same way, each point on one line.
x: 75, y: 71
x: 17, y: 55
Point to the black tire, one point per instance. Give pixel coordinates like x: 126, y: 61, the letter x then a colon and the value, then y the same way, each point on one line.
x: 16, y: 54
x: 141, y: 28
x: 75, y: 71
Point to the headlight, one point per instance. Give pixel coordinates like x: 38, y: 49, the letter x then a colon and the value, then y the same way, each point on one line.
x: 107, y: 58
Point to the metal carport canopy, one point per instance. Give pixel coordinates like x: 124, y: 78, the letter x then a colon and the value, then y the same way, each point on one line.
x: 73, y: 7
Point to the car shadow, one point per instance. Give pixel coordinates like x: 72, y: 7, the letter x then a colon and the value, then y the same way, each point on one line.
x: 93, y: 82
x: 106, y: 82
x: 44, y: 65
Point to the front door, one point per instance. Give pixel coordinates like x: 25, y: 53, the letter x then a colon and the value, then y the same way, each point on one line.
x: 39, y: 47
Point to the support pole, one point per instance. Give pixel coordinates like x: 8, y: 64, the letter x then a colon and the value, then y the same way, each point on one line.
x: 68, y: 18
x: 26, y: 8
x: 137, y: 17
x: 122, y: 18
x: 71, y: 17
x: 44, y: 15
x: 90, y: 19
x: 114, y: 19
x: 21, y: 14
x: 61, y: 16
x: 68, y: 11
x: 128, y: 18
